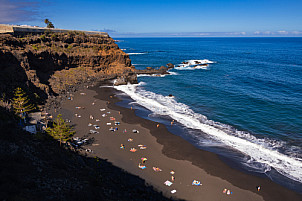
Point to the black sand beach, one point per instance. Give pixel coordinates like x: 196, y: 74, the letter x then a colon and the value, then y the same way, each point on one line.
x: 164, y: 150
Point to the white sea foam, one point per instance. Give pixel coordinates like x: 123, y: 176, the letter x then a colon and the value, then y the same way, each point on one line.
x: 173, y: 73
x: 263, y: 151
x: 134, y: 53
x: 194, y: 64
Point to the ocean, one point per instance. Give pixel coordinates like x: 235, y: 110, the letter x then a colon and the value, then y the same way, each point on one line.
x: 246, y: 105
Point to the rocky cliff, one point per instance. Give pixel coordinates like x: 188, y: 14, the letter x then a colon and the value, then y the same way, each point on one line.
x: 49, y: 64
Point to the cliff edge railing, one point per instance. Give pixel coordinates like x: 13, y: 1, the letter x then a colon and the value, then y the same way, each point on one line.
x: 24, y: 29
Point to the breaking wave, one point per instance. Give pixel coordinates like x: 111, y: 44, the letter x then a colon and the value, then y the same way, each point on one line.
x: 156, y: 75
x: 260, y: 154
x: 134, y: 53
x: 194, y: 64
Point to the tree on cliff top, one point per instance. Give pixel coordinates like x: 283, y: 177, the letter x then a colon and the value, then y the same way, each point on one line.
x: 61, y: 130
x: 21, y: 102
x: 48, y: 23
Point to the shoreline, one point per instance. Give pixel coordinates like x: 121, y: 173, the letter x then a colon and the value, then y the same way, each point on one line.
x: 167, y: 143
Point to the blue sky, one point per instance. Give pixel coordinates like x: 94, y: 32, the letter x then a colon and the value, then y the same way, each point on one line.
x: 135, y: 18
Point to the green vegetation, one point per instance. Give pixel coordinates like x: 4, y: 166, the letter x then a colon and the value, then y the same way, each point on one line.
x: 61, y: 130
x: 34, y: 47
x: 43, y: 37
x: 21, y: 102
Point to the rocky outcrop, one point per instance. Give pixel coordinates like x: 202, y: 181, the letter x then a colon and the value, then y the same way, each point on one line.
x: 49, y: 64
x: 169, y: 65
x: 155, y: 71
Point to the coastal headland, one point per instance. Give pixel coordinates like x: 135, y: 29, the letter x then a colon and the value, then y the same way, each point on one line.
x: 62, y: 71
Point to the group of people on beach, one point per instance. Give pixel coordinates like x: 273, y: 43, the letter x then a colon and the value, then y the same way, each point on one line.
x: 130, y: 142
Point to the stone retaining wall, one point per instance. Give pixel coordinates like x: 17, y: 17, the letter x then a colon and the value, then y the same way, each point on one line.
x: 13, y: 29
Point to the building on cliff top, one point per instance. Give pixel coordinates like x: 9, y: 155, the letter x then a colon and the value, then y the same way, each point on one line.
x: 24, y: 29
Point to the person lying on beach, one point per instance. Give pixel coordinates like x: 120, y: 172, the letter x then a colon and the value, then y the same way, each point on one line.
x: 156, y: 169
x: 141, y: 166
x: 196, y: 183
x: 130, y: 140
x: 133, y: 150
x: 142, y: 146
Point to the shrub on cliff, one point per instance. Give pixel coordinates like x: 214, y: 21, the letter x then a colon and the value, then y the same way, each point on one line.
x: 61, y: 130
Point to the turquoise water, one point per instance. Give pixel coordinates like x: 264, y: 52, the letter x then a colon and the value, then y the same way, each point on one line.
x: 248, y: 100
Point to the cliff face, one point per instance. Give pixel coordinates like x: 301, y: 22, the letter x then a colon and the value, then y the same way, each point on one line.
x: 50, y: 63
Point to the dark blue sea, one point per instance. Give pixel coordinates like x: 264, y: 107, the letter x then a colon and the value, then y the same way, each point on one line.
x: 246, y: 105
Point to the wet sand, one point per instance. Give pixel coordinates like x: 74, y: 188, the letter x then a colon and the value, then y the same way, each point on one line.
x: 163, y: 150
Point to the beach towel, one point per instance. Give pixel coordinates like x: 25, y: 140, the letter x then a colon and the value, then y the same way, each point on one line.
x: 108, y: 124
x: 102, y: 110
x: 133, y: 150
x: 196, y: 183
x: 168, y: 183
